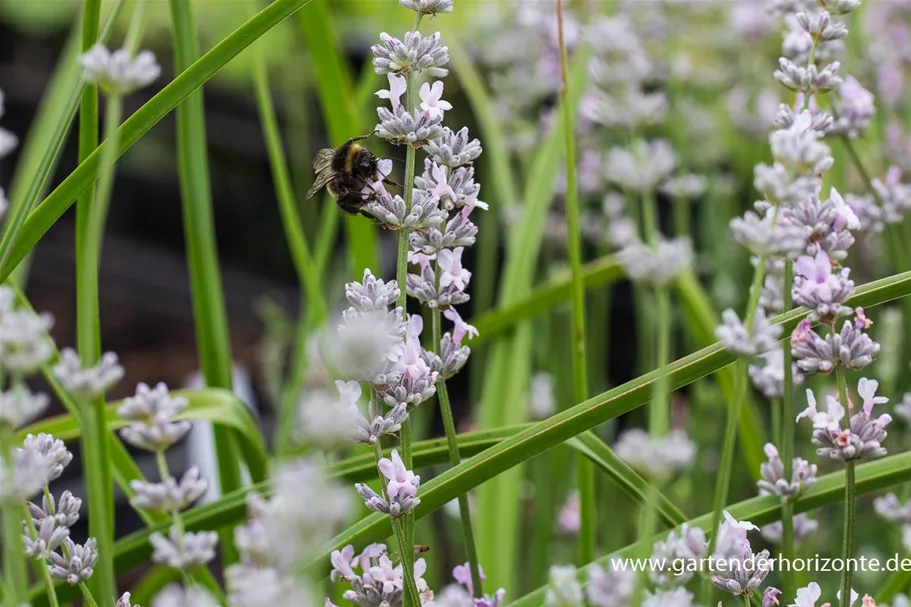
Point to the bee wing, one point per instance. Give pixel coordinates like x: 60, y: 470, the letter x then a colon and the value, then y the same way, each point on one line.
x: 323, y: 159
x: 322, y: 179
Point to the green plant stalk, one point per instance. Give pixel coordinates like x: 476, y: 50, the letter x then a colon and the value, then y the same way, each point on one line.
x: 787, y: 442
x: 848, y: 539
x: 301, y: 256
x: 726, y: 467
x: 586, y: 475
x: 455, y: 459
x: 14, y: 570
x: 40, y: 567
x: 212, y: 339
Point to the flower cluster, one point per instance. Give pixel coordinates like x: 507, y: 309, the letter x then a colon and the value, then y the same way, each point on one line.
x: 743, y: 571
x: 374, y: 579
x: 862, y: 438
x: 119, y: 73
x: 656, y: 458
x: 461, y: 594
x: 773, y: 482
x: 401, y: 488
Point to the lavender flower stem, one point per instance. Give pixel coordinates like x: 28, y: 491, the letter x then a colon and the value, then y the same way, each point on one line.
x: 14, y: 570
x: 87, y: 595
x: 787, y: 440
x: 586, y: 477
x: 40, y: 566
x: 455, y: 459
x: 850, y: 495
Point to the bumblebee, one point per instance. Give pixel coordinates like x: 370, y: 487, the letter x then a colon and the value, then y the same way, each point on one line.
x: 345, y: 171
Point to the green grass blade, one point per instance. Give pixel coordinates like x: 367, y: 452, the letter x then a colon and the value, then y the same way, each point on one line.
x: 828, y: 489
x: 59, y: 200
x: 334, y: 84
x: 212, y: 337
x: 702, y: 325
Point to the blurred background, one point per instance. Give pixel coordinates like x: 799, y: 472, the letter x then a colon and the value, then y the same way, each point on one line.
x: 711, y: 62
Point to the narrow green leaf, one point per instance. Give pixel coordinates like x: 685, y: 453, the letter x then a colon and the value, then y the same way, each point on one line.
x: 58, y: 201
x: 828, y: 489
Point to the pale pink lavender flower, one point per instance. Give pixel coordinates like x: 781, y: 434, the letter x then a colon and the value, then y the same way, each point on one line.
x: 174, y: 595
x: 679, y: 554
x: 59, y: 457
x: 378, y: 581
x: 401, y: 488
x: 856, y: 108
x: 461, y: 328
x: 450, y: 261
x: 609, y: 587
x: 861, y: 438
x: 819, y: 289
x: 569, y: 518
x: 432, y: 100
x: 170, y: 495
x: 397, y: 88
x: 851, y: 347
x: 804, y: 527
x: 656, y: 457
x: 809, y: 595
x: 742, y: 341
x: 152, y: 413
x: 745, y: 571
x: 183, y: 550
x: 894, y: 196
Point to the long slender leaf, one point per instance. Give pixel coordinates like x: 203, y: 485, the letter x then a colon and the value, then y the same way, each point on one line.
x: 58, y: 201
x: 829, y: 489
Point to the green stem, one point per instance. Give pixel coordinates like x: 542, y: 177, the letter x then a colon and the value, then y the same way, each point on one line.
x: 87, y: 595
x: 586, y: 475
x: 455, y: 459
x: 659, y: 412
x: 850, y: 494
x: 411, y: 595
x: 14, y: 569
x: 787, y: 441
x: 41, y: 566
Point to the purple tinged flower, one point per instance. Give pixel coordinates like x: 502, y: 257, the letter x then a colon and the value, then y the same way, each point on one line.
x: 342, y: 562
x: 856, y: 109
x: 401, y: 480
x: 462, y: 328
x: 411, y: 362
x: 820, y: 290
x: 432, y: 100
x: 450, y: 262
x: 397, y: 88
x: 569, y: 519
x: 866, y: 389
x: 770, y: 596
x: 804, y: 527
x: 741, y: 341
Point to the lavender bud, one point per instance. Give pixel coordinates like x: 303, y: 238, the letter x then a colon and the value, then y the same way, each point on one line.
x: 454, y: 149
x: 415, y: 53
x: 372, y: 293
x: 773, y: 482
x: 87, y: 382
x: 183, y: 551
x: 48, y: 537
x: 821, y: 27
x: 169, y: 495
x: 77, y: 567
x: 808, y: 79
x: 55, y: 450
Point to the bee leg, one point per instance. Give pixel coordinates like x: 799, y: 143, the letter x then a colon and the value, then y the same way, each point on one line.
x: 360, y: 137
x: 388, y: 181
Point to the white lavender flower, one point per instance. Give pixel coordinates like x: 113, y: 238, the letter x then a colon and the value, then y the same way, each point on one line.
x: 77, y: 564
x: 152, y: 413
x: 174, y: 595
x: 804, y: 527
x: 87, y: 382
x: 609, y: 588
x: 401, y: 488
x: 894, y: 195
x: 563, y: 587
x: 779, y: 185
x: 851, y: 347
x: 798, y: 148
x: 630, y: 109
x: 892, y: 510
x: 677, y: 597
x: 169, y: 495
x: 24, y: 341
x: 808, y: 79
x: 373, y: 577
x: 21, y: 406
x: 744, y: 571
x: 390, y: 210
x: 428, y: 7
x: 769, y: 377
x: 656, y: 457
x: 856, y: 106
x: 827, y: 224
x: 688, y: 186
x: 58, y: 456
x: 642, y: 166
x: 821, y: 27
x: 371, y: 293
x: 458, y: 232
x: 453, y: 148
x: 29, y: 471
x: 839, y: 7
x: 810, y: 595
x: 253, y: 586
x: 418, y: 378
x: 862, y: 439
x: 8, y: 141
x: 741, y: 341
x: 773, y: 481
x: 413, y: 54
x: 681, y: 551
x: 769, y: 235
x: 183, y: 550
x: 119, y: 73
x: 658, y: 265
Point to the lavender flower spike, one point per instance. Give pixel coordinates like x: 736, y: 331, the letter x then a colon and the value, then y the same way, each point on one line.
x: 414, y: 53
x: 773, y: 482
x: 741, y: 341
x: 401, y: 488
x: 77, y: 566
x: 820, y: 290
x: 428, y: 7
x: 91, y: 381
